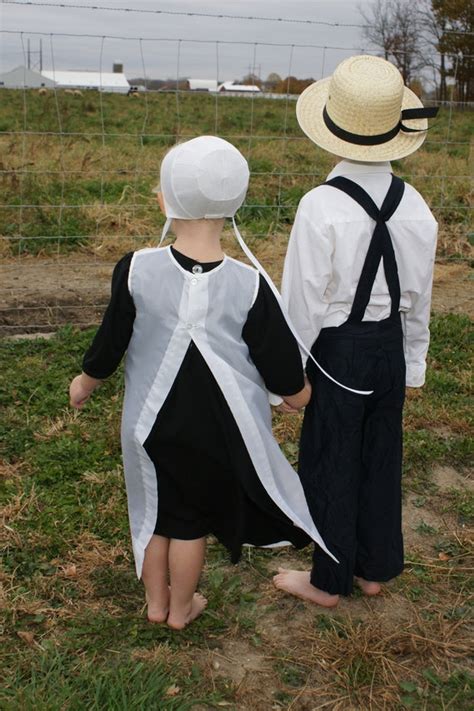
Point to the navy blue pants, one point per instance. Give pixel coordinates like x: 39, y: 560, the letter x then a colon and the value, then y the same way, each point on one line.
x: 351, y: 454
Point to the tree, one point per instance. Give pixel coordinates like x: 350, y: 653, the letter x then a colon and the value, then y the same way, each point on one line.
x: 394, y: 27
x: 433, y: 28
x: 379, y: 28
x: 272, y: 80
x: 455, y: 20
x: 431, y: 33
x: 292, y: 85
x: 251, y: 80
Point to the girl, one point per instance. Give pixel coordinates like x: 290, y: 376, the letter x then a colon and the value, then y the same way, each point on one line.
x: 205, y: 339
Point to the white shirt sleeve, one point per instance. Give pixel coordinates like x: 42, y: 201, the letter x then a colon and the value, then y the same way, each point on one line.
x: 306, y: 275
x: 416, y: 330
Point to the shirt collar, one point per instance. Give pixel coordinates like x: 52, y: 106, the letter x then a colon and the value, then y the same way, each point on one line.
x: 352, y: 167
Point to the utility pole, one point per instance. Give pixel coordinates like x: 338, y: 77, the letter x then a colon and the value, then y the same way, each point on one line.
x: 35, y: 56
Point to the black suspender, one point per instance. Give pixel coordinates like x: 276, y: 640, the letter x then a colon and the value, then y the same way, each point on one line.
x: 381, y: 246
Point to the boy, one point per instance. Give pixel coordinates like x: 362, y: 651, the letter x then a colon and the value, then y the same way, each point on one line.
x: 357, y: 283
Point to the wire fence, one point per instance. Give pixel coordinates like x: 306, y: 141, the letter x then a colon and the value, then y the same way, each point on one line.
x: 77, y: 169
x: 189, y: 13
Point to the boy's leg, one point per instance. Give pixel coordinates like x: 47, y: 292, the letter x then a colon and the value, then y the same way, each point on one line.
x: 155, y: 578
x: 333, y: 460
x: 298, y: 583
x: 379, y: 525
x: 329, y: 468
x: 186, y: 559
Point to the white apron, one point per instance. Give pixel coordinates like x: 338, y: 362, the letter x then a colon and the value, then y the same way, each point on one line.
x: 173, y: 308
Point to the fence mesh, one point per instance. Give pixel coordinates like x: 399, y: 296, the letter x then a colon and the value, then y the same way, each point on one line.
x: 77, y: 167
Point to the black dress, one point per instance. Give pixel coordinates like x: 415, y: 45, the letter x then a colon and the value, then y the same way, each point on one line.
x: 206, y: 480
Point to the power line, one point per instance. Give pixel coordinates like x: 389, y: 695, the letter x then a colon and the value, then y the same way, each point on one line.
x: 219, y: 16
x: 178, y: 39
x: 230, y: 137
x: 182, y: 13
x: 198, y: 41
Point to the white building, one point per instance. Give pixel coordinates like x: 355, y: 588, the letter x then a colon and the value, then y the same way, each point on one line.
x: 24, y: 78
x: 203, y: 84
x: 240, y: 88
x: 103, y: 81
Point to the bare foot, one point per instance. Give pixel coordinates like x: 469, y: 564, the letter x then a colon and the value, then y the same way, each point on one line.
x: 178, y: 621
x: 297, y: 582
x: 368, y: 587
x: 158, y: 605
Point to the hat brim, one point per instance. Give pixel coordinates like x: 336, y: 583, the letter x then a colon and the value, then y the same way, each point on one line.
x: 309, y: 112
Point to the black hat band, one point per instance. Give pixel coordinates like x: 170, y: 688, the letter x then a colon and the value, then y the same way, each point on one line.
x: 361, y: 140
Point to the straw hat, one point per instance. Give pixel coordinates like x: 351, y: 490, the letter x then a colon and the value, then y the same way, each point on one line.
x: 205, y: 177
x: 364, y: 112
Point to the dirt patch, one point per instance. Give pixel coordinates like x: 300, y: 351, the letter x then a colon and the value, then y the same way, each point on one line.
x: 43, y: 294
x: 274, y: 624
x: 238, y: 661
x: 453, y: 290
x: 447, y: 478
x: 240, y: 665
x: 419, y: 524
x: 39, y: 294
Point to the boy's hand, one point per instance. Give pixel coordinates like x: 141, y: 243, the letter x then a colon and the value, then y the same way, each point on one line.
x: 81, y: 389
x: 297, y: 401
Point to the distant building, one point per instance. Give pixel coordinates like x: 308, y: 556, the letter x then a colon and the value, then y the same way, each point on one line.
x: 203, y: 84
x: 240, y: 88
x: 24, y: 78
x: 102, y: 81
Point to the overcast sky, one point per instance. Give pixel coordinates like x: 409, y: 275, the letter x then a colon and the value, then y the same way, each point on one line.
x: 196, y: 60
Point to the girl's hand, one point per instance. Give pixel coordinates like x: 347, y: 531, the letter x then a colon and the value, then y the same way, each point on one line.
x: 285, y: 408
x: 81, y: 389
x: 298, y: 400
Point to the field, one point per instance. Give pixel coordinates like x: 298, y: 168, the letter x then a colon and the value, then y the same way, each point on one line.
x: 76, y: 173
x: 74, y: 633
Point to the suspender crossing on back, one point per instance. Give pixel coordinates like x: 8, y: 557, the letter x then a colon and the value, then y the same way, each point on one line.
x: 380, y: 247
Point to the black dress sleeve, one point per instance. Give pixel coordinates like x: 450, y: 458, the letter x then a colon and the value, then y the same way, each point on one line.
x: 272, y: 346
x: 113, y: 336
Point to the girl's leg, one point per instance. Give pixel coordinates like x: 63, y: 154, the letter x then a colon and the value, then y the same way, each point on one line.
x: 185, y: 560
x: 155, y: 578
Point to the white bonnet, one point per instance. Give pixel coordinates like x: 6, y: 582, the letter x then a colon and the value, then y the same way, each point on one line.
x: 205, y: 177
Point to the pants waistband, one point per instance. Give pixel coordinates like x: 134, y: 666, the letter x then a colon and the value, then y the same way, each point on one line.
x: 388, y: 329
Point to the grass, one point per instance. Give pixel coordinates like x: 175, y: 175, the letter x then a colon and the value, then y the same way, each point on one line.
x: 72, y: 191
x: 74, y: 633
x: 57, y: 681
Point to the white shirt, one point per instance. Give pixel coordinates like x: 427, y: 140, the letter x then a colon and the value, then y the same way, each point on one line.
x: 327, y: 249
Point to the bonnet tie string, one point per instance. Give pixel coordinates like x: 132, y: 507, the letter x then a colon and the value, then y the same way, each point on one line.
x: 277, y: 295
x: 165, y: 230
